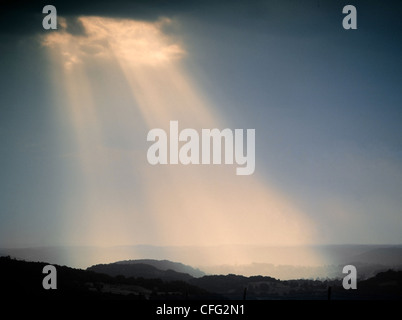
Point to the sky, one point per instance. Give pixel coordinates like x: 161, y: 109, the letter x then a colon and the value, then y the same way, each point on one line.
x: 77, y: 103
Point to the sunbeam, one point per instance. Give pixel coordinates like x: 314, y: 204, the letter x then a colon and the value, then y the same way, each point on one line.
x: 121, y: 79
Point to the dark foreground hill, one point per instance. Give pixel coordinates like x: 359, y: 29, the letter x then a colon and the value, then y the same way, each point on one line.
x: 21, y: 279
x: 384, y: 286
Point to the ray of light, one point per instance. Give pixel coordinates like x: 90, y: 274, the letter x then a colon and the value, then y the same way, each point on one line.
x: 126, y: 199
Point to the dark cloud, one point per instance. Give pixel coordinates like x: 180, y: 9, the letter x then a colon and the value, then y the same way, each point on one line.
x: 25, y: 17
x: 290, y: 16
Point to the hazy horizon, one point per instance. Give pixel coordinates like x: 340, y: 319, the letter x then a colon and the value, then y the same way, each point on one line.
x: 281, y: 262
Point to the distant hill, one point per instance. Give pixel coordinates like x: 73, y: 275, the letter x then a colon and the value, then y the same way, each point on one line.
x: 166, y: 265
x: 391, y: 256
x: 139, y: 270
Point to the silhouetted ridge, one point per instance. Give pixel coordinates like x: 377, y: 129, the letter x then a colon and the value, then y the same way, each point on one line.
x: 166, y: 265
x: 23, y: 280
x: 139, y: 270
